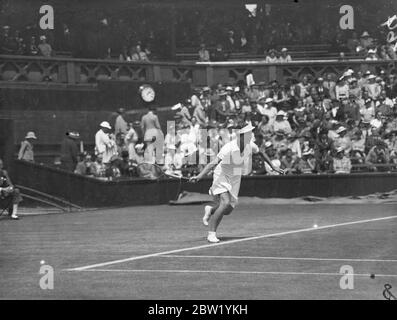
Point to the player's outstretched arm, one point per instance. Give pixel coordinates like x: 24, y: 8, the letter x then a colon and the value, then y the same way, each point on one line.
x: 206, y: 170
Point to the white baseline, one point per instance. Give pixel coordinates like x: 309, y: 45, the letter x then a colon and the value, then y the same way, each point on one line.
x: 108, y: 263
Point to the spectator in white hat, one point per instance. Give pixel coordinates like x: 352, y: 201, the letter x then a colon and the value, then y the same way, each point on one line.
x: 26, y: 150
x: 284, y: 57
x: 104, y: 145
x: 45, y: 48
x: 307, y: 164
x: 268, y: 109
x: 341, y: 163
x: 371, y: 55
x: 281, y: 123
x: 368, y: 112
x: 373, y: 88
x: 343, y: 140
x: 229, y: 98
x: 269, y: 150
x: 342, y: 89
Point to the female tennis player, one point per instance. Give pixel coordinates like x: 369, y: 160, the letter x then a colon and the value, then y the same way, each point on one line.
x: 232, y: 161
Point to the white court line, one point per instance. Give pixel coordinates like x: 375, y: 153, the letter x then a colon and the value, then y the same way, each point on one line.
x: 280, y: 273
x: 222, y: 243
x: 276, y: 258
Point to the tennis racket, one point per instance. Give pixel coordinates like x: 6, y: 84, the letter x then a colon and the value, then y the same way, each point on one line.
x: 155, y: 172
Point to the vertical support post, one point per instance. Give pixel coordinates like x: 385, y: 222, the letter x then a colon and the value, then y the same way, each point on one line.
x: 71, y: 72
x: 210, y: 76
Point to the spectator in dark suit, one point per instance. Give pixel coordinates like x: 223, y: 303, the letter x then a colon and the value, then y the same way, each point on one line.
x: 70, y: 151
x: 32, y: 49
x: 153, y: 136
x: 6, y: 46
x: 219, y: 54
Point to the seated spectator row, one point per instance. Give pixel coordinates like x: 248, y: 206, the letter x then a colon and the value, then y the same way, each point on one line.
x: 11, y: 42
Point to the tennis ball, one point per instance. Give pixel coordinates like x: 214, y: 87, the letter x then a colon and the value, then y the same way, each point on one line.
x: 315, y: 226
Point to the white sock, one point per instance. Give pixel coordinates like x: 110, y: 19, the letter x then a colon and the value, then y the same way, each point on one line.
x: 212, y: 233
x: 14, y: 210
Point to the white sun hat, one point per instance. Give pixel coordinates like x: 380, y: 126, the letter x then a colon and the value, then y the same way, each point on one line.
x: 105, y: 124
x: 177, y: 106
x: 340, y: 149
x: 340, y: 129
x: 247, y: 128
x: 30, y: 135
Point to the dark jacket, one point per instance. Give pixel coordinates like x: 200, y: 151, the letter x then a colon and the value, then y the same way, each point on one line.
x: 69, y: 153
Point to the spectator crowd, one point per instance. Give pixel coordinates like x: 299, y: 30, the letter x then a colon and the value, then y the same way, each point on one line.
x: 149, y: 33
x: 331, y: 124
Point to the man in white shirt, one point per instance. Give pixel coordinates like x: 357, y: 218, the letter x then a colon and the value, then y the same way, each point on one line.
x: 232, y: 161
x: 104, y: 146
x: 342, y: 89
x: 373, y: 88
x: 368, y: 113
x: 269, y: 110
x: 284, y: 57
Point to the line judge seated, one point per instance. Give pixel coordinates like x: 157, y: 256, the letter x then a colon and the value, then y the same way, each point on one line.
x: 10, y: 196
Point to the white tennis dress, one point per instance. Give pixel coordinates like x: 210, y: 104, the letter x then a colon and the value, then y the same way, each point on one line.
x: 233, y: 164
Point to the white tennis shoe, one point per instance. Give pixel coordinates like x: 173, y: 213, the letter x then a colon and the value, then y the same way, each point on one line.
x: 207, y: 215
x: 212, y: 238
